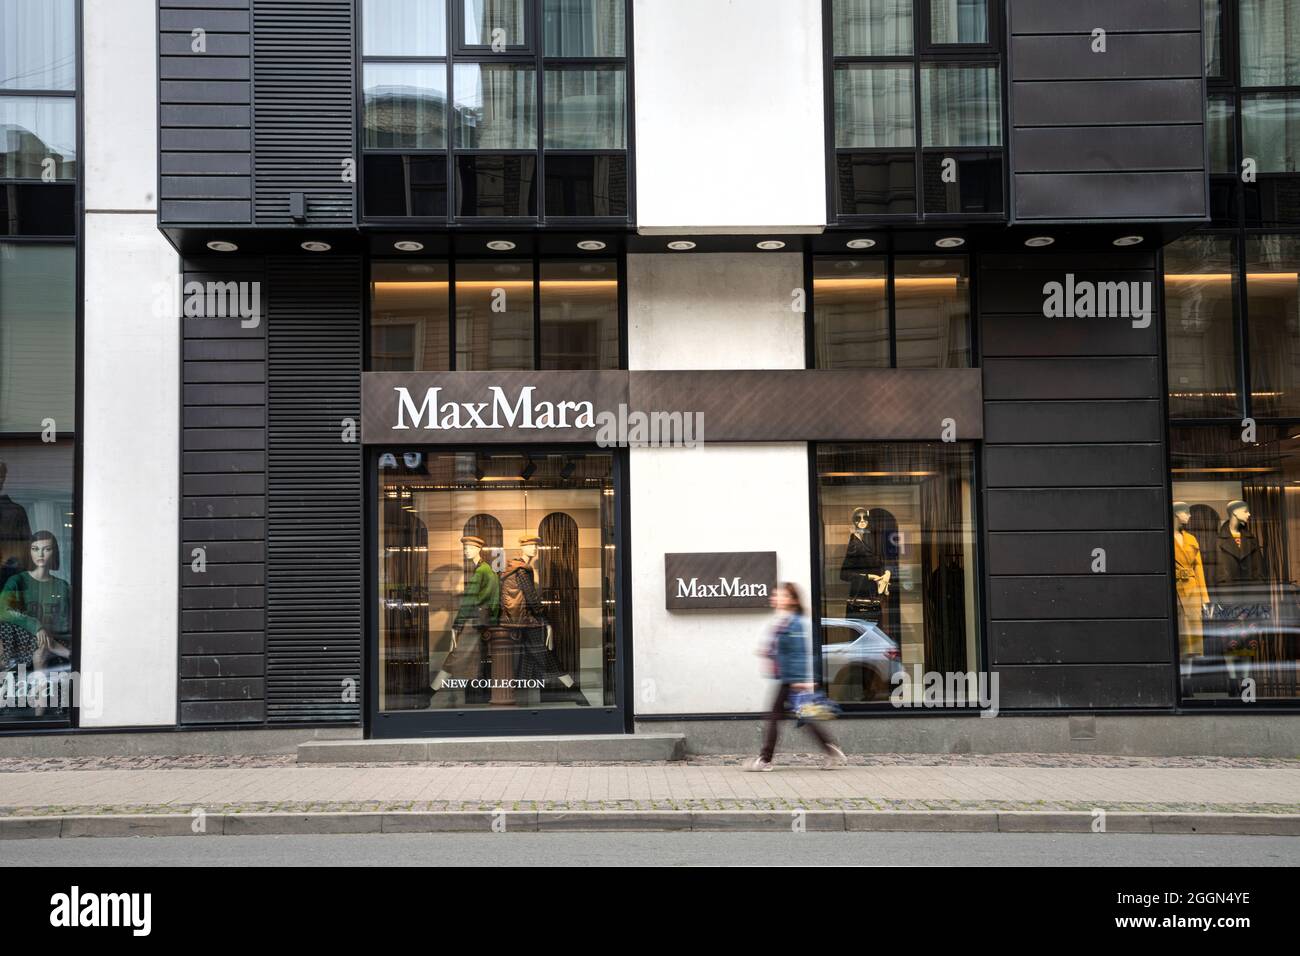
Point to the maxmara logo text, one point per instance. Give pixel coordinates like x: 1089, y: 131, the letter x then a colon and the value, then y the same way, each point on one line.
x: 613, y: 428
x: 725, y: 588
x: 433, y: 413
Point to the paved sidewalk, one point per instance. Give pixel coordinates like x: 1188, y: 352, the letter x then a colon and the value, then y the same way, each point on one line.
x: 898, y: 783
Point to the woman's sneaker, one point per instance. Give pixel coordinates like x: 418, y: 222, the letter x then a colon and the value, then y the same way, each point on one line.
x: 758, y: 765
x: 835, y: 759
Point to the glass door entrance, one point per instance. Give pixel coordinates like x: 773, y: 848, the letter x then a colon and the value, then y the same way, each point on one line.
x: 497, y: 593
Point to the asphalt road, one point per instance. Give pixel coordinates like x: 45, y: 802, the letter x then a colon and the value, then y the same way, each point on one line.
x: 661, y: 849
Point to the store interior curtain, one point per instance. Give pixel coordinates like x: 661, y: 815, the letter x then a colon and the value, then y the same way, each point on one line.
x: 872, y: 27
x: 1270, y: 43
x: 38, y: 45
x: 873, y: 107
x: 962, y: 105
x: 959, y: 21
x: 583, y: 28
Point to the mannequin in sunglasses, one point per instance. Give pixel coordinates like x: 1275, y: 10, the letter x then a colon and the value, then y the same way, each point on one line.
x: 865, y: 569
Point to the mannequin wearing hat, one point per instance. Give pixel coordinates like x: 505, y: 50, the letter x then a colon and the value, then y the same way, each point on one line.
x: 864, y: 569
x: 1189, y: 583
x: 479, y: 607
x: 1240, y: 556
x: 521, y: 610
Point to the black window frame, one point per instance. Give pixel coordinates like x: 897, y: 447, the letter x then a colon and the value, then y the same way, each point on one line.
x: 923, y: 53
x: 533, y: 55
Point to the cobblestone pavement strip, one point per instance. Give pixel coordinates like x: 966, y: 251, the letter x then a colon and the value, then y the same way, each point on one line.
x: 150, y: 785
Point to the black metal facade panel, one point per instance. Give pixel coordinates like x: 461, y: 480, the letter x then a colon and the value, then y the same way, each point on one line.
x: 315, y: 562
x: 303, y: 109
x: 1079, y: 642
x: 223, y: 506
x: 205, y: 113
x: 1120, y: 16
x: 1076, y: 510
x: 1109, y: 124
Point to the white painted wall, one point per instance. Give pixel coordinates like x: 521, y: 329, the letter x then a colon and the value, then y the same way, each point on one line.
x: 131, y: 427
x: 711, y: 312
x: 729, y: 116
x: 714, y: 311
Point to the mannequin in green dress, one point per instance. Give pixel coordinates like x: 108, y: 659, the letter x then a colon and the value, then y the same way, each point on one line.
x: 41, y: 597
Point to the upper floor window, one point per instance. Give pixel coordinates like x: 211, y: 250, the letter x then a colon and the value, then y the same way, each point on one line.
x: 891, y: 312
x: 495, y: 109
x: 493, y: 315
x: 1252, y: 67
x: 38, y: 117
x: 917, y: 108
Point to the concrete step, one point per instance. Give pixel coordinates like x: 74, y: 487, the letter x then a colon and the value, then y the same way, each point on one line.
x: 607, y: 748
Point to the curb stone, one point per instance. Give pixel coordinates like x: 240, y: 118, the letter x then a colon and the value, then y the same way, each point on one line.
x: 531, y: 821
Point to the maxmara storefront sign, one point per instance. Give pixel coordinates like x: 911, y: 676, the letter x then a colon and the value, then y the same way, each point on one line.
x: 616, y: 408
x: 719, y: 579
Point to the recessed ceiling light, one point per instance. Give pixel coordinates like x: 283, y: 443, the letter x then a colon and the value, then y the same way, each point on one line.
x: 681, y: 245
x: 860, y: 243
x: 1037, y: 242
x: 408, y: 245
x: 220, y: 245
x: 500, y: 245
x: 591, y: 245
x: 950, y: 242
x: 317, y: 246
x: 771, y: 244
x: 1128, y: 240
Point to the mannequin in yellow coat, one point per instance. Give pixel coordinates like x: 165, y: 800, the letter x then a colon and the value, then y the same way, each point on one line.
x: 1189, y: 578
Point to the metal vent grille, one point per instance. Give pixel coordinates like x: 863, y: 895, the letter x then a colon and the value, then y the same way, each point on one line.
x: 314, y: 621
x: 303, y: 76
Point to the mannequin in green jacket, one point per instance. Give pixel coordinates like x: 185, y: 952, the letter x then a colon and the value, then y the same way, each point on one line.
x: 480, y: 606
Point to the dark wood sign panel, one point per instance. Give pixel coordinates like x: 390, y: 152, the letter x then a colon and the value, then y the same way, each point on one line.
x: 719, y: 579
x: 549, y: 407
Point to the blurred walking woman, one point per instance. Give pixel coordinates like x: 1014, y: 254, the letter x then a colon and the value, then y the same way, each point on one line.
x: 788, y: 654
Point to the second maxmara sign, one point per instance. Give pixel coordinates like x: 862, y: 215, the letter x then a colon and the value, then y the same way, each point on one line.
x: 632, y: 407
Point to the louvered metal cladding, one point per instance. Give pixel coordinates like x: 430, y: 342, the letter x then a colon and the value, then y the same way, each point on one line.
x: 303, y: 75
x: 314, y: 494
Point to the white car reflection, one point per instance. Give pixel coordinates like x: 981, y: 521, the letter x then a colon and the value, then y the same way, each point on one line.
x: 859, y: 660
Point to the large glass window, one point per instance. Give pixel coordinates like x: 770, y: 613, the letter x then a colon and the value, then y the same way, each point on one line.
x: 38, y: 45
x: 496, y: 580
x: 495, y: 315
x: 38, y: 336
x: 410, y: 317
x: 535, y: 95
x: 872, y: 27
x: 917, y: 108
x: 873, y: 106
x: 963, y: 105
x: 579, y: 315
x: 1273, y: 308
x: 896, y: 543
x: 38, y: 359
x: 1270, y: 42
x: 496, y: 106
x: 405, y: 106
x: 1200, y: 327
x: 877, y: 312
x: 959, y: 22
x: 1236, y: 523
x: 37, y: 604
